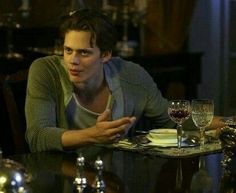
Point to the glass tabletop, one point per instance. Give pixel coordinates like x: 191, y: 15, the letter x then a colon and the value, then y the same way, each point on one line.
x: 190, y: 146
x: 128, y: 171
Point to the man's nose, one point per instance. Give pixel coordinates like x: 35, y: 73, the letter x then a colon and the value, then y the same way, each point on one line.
x: 75, y: 59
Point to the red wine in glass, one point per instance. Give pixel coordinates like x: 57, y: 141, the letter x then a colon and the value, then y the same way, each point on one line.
x: 179, y: 116
x: 179, y: 111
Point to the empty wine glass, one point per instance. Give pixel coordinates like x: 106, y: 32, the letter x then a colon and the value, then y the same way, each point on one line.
x: 202, y: 115
x: 179, y: 111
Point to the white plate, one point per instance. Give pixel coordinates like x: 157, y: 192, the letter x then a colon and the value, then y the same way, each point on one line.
x: 163, y: 130
x: 162, y: 141
x: 163, y: 137
x: 163, y: 133
x: 165, y: 143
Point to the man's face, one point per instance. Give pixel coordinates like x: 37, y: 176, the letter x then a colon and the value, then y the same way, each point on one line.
x: 83, y: 62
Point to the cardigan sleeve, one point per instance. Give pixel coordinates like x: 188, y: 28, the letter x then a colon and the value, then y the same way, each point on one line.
x: 140, y: 94
x: 42, y: 132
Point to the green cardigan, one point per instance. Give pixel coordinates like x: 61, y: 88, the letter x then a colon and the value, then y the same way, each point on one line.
x: 49, y: 91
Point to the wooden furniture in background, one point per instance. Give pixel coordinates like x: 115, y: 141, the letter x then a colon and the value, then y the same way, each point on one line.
x: 14, y: 91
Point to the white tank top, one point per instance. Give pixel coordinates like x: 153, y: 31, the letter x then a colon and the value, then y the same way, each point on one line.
x: 80, y: 117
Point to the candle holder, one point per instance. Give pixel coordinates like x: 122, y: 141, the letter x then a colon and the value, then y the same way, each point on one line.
x: 129, y: 14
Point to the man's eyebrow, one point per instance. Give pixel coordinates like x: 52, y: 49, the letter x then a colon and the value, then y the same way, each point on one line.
x: 84, y: 50
x: 80, y: 49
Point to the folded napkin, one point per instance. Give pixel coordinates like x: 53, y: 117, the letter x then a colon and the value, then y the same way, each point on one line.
x: 124, y: 143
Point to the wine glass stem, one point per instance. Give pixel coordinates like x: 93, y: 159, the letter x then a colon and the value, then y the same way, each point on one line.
x: 202, y: 136
x: 179, y: 135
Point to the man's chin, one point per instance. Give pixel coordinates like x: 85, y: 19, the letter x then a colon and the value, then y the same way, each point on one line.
x: 79, y: 85
x: 75, y: 80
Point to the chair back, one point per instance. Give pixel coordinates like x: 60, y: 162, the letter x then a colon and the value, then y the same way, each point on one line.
x: 14, y: 92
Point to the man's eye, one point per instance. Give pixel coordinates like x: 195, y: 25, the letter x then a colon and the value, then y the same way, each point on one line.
x: 84, y: 53
x: 68, y: 50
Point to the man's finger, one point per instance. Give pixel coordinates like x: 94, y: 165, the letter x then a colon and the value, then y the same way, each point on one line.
x: 105, y: 116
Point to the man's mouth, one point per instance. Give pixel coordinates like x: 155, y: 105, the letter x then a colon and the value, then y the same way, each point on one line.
x: 74, y: 72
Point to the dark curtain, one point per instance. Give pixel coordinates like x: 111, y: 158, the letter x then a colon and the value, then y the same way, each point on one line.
x: 167, y: 25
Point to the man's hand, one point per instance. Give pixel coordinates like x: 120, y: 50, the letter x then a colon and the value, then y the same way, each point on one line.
x: 107, y: 131
x: 104, y: 131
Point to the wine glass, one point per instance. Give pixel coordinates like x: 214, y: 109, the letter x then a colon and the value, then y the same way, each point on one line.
x: 179, y: 111
x: 202, y: 115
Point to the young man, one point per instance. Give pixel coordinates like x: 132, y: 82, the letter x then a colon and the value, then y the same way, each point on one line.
x: 88, y: 96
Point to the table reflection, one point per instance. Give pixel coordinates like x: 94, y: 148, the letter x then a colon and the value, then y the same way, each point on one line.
x: 129, y: 172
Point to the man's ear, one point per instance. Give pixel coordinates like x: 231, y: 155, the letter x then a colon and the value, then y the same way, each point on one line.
x: 106, y: 56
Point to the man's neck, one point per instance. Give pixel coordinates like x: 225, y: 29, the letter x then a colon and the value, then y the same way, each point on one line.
x: 94, y: 100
